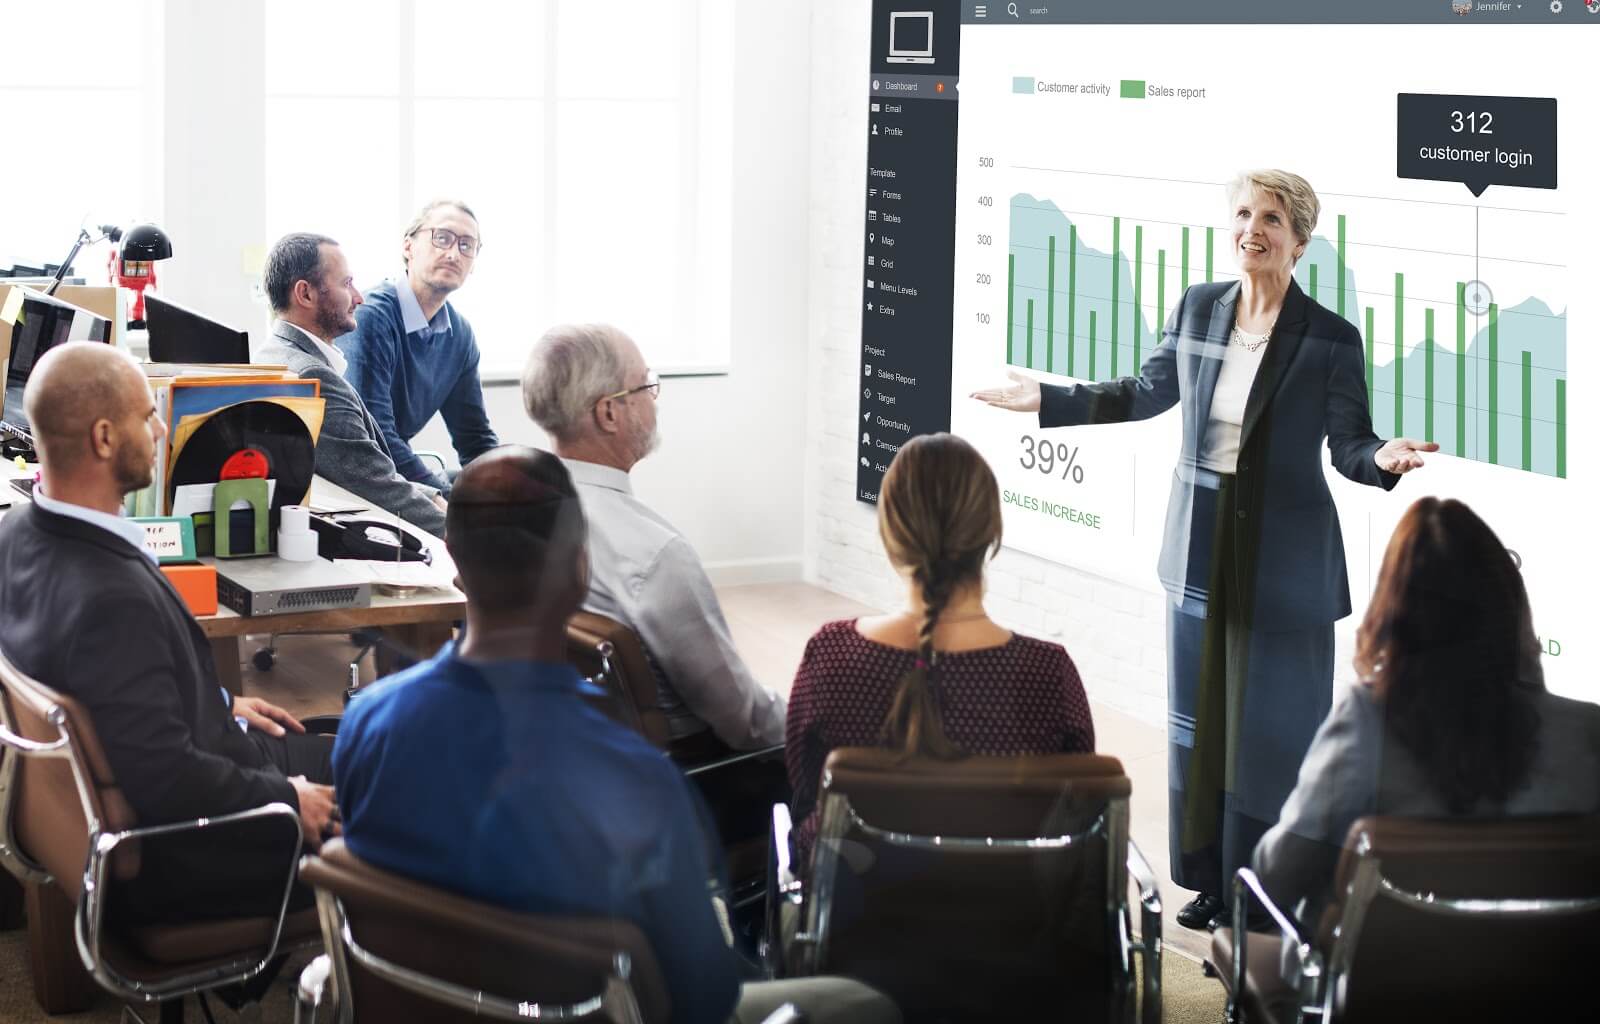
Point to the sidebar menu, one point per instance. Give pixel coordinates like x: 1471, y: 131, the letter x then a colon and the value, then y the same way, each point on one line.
x: 909, y: 233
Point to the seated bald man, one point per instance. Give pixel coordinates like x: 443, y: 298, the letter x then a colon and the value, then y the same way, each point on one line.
x: 84, y: 610
x: 528, y: 797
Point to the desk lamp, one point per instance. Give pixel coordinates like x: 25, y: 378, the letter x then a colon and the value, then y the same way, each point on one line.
x: 134, y: 266
x: 110, y: 231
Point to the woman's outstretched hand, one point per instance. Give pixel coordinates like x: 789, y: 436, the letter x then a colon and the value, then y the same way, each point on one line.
x: 1021, y: 396
x: 1399, y: 455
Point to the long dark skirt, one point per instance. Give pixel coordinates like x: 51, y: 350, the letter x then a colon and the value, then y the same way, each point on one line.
x: 1243, y: 705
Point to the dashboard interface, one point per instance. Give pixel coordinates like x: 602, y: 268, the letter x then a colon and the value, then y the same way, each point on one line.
x: 1044, y: 181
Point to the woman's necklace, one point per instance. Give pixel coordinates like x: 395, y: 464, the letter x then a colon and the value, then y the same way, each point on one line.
x: 1247, y: 341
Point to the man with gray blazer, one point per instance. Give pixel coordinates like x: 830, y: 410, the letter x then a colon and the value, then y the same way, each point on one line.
x: 313, y: 297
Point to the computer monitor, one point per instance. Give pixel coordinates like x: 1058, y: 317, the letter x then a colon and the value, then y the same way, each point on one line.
x: 42, y: 323
x: 179, y: 335
x: 911, y: 37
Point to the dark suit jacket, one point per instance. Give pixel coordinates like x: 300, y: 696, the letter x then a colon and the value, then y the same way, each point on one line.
x: 85, y: 613
x: 350, y: 448
x: 1311, y: 387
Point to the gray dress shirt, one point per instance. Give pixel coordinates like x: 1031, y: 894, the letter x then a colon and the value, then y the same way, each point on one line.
x: 642, y: 572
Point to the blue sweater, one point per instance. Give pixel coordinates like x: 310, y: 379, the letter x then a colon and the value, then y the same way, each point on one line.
x: 498, y: 781
x: 405, y: 378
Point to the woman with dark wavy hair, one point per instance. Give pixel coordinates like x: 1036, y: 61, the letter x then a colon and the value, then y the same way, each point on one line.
x: 938, y: 677
x: 1451, y: 718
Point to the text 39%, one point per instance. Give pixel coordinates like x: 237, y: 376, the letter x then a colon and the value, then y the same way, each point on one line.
x: 1046, y: 457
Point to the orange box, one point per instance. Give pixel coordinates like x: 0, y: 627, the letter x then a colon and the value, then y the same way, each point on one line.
x: 196, y: 584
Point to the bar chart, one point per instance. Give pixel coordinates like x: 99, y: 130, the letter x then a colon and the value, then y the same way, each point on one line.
x: 1088, y: 291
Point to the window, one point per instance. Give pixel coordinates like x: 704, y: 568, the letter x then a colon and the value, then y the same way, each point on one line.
x: 77, y: 106
x: 598, y: 161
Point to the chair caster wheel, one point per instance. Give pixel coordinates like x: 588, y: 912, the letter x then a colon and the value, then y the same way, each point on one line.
x: 264, y: 659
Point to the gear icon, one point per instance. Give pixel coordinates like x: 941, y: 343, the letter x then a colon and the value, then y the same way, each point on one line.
x: 1555, y: 6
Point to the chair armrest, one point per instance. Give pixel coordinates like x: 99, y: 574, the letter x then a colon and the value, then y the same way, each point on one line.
x: 91, y: 909
x: 1247, y: 886
x: 788, y: 1013
x: 1149, y: 944
x: 740, y: 757
x: 783, y: 887
x: 311, y: 993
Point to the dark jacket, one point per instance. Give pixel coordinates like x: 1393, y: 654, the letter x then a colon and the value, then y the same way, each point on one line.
x: 85, y: 613
x: 1311, y: 387
x: 351, y: 450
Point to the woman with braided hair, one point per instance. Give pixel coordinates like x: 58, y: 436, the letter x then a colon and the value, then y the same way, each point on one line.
x: 938, y: 677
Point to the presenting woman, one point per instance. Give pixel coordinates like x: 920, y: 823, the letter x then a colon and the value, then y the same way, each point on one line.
x: 1252, y: 555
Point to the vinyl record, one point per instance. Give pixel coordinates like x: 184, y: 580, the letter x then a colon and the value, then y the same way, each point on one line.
x: 249, y: 439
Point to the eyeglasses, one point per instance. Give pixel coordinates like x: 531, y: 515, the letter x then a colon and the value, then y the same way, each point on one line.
x: 652, y: 384
x: 444, y: 238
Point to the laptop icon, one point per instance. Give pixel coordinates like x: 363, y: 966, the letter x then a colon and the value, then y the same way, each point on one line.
x: 911, y: 37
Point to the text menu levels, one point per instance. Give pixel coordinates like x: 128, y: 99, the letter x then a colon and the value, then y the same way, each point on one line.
x: 908, y: 258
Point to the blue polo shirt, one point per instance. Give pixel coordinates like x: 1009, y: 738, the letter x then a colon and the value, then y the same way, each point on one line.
x: 498, y: 781
x: 407, y: 368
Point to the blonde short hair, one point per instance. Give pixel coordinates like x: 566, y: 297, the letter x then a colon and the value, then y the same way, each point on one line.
x: 1299, y: 199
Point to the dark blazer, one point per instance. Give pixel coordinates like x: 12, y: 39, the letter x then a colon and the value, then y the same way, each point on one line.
x: 1311, y: 387
x: 87, y: 614
x: 351, y: 451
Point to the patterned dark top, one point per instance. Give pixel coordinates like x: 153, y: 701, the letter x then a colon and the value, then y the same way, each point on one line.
x: 1022, y: 697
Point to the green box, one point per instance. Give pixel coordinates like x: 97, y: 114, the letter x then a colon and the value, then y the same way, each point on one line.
x: 1133, y: 88
x: 1022, y: 84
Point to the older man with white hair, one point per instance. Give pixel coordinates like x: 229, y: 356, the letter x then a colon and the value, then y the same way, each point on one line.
x: 588, y: 386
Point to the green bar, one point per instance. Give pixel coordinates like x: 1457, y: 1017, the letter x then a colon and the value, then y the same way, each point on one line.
x: 1399, y: 354
x: 1138, y: 280
x: 1311, y: 282
x: 1161, y: 293
x: 1116, y: 278
x: 1183, y: 275
x: 1340, y: 264
x: 1527, y: 410
x: 1072, y: 297
x: 1209, y: 232
x: 1427, y: 374
x: 1561, y: 427
x: 1133, y: 88
x: 1029, y: 363
x: 1494, y: 383
x: 1050, y: 312
x: 1011, y: 300
x: 1461, y: 368
x: 1091, y: 345
x: 1370, y: 392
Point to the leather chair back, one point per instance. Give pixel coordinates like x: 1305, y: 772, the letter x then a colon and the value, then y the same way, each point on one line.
x: 1003, y: 916
x: 47, y: 814
x: 536, y: 958
x: 1411, y: 955
x: 625, y: 674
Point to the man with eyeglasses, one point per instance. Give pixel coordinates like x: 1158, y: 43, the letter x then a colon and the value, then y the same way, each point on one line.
x: 589, y: 388
x: 412, y: 354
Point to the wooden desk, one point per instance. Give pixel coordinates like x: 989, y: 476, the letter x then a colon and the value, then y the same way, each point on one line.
x: 420, y: 623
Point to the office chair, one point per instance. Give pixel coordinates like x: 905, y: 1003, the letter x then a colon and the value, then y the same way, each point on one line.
x: 978, y: 889
x: 1431, y: 920
x: 68, y: 832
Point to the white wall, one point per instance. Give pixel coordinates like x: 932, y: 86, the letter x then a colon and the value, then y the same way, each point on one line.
x: 729, y: 472
x: 1113, y: 632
